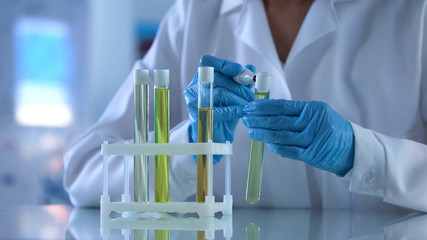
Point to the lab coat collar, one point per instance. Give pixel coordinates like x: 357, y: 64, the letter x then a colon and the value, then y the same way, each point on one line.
x: 321, y: 20
x: 252, y: 28
x: 229, y: 5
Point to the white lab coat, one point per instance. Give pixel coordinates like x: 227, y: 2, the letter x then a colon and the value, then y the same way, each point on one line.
x: 364, y: 58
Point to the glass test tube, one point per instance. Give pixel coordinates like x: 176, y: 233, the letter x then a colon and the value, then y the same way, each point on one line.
x: 204, y: 127
x: 140, y: 162
x: 141, y: 134
x: 256, y: 152
x: 162, y: 234
x: 161, y: 134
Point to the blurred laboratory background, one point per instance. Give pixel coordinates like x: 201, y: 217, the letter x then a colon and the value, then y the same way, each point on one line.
x: 61, y: 61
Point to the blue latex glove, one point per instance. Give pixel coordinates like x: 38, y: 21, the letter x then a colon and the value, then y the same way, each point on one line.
x: 229, y: 99
x: 311, y: 132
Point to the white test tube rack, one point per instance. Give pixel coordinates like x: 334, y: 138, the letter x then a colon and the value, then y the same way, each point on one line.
x: 207, y: 209
x: 172, y: 223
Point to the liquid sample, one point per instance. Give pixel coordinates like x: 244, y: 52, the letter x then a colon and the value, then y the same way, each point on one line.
x: 204, y: 133
x: 141, y: 136
x: 161, y: 135
x: 201, y: 235
x: 161, y: 234
x: 256, y: 162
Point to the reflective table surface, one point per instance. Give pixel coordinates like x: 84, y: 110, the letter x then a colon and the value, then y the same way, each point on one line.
x: 66, y: 222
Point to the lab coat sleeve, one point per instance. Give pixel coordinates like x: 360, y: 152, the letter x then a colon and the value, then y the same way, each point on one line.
x: 389, y: 168
x: 83, y: 162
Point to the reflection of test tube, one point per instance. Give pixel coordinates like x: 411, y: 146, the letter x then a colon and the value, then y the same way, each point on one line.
x: 204, y: 127
x: 245, y: 77
x: 161, y: 134
x: 253, y: 232
x: 141, y: 134
x: 256, y: 152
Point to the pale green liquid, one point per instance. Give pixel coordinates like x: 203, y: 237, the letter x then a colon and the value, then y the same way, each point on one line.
x: 256, y: 162
x: 253, y: 232
x: 204, y: 133
x: 141, y: 136
x: 161, y: 135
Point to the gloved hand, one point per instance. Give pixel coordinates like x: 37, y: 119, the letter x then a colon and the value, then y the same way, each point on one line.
x: 311, y: 132
x: 229, y: 99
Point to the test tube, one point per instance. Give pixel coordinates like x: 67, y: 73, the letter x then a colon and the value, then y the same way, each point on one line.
x: 161, y: 134
x: 245, y: 77
x: 162, y: 234
x: 204, y: 127
x: 256, y: 152
x: 141, y: 134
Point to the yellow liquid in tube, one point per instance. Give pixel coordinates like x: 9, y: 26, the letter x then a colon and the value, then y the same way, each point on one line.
x: 204, y: 133
x: 161, y: 135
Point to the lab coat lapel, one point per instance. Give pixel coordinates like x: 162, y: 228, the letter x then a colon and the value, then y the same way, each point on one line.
x: 320, y: 20
x: 252, y: 31
x: 229, y: 5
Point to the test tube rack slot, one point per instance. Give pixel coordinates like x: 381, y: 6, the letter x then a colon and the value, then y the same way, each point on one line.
x: 204, y: 210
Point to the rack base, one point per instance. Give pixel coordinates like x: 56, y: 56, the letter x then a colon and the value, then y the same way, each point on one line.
x: 206, y: 211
